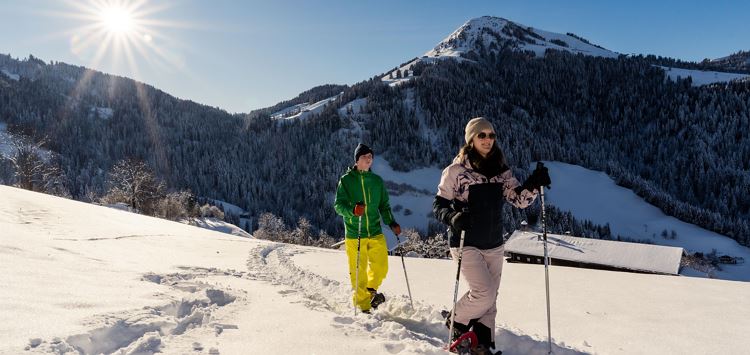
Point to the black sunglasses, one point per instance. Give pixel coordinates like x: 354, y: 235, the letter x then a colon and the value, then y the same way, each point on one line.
x: 483, y: 135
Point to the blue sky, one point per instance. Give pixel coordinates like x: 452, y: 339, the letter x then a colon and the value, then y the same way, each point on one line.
x: 243, y: 55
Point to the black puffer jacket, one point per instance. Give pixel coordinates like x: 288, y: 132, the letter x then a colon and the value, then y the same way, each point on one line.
x: 463, y: 187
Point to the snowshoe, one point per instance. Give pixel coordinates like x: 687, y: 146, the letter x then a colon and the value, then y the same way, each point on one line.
x: 465, y: 344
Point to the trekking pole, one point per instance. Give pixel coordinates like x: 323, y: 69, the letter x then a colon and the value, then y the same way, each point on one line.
x: 455, y: 290
x: 546, y: 270
x: 398, y: 243
x: 356, y: 284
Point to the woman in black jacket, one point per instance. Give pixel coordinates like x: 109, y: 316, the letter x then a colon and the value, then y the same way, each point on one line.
x: 470, y: 198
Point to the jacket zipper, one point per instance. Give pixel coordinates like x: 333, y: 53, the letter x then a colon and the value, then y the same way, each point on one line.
x: 364, y: 196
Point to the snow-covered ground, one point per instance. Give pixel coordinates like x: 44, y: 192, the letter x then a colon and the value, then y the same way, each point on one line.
x: 237, y: 210
x: 10, y: 75
x: 303, y: 110
x: 353, y: 107
x: 701, y: 77
x: 104, y: 113
x: 79, y: 277
x: 594, y: 196
x: 209, y: 223
x: 418, y: 200
x: 218, y: 226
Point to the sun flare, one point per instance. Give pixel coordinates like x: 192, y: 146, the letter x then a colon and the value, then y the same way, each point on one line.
x: 124, y: 36
x: 117, y: 20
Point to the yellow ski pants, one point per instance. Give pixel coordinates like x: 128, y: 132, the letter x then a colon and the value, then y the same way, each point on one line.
x: 373, y: 266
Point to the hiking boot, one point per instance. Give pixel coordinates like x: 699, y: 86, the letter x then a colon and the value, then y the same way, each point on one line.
x: 484, y: 335
x: 376, y: 299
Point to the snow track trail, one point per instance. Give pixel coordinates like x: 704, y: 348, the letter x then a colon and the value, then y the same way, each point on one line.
x: 144, y: 331
x: 403, y: 329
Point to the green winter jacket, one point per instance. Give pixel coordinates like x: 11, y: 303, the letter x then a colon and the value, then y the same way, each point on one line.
x: 362, y: 186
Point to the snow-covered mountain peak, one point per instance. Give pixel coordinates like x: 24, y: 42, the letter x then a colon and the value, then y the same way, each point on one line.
x: 491, y: 33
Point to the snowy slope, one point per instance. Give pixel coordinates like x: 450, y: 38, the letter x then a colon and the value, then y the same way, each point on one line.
x: 10, y: 75
x: 701, y: 77
x: 594, y: 196
x: 303, y: 110
x: 418, y: 200
x: 353, y: 107
x: 104, y: 113
x: 218, y: 225
x: 79, y: 277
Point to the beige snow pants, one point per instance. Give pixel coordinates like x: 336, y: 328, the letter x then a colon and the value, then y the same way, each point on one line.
x: 482, y: 270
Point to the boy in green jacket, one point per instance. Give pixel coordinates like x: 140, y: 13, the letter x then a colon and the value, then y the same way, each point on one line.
x: 361, y: 199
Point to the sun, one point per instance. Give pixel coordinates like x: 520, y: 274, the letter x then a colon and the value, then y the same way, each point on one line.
x: 117, y: 20
x: 123, y: 36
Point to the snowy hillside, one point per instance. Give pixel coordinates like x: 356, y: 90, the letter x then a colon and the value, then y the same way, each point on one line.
x: 10, y: 75
x: 303, y: 110
x: 494, y: 33
x: 594, y: 196
x: 702, y: 77
x: 83, y: 278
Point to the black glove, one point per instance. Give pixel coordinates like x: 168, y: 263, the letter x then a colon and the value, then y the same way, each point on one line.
x: 539, y: 177
x: 461, y: 221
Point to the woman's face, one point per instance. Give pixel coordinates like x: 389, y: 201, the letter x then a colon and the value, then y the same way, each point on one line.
x: 483, y: 141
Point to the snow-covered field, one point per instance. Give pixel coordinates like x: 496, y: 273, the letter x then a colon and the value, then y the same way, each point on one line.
x: 418, y: 201
x: 79, y: 277
x: 594, y: 196
x: 701, y: 77
x: 10, y: 75
x: 104, y: 113
x: 353, y: 107
x: 303, y: 110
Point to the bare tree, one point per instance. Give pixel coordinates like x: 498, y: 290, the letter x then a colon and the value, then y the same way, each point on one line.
x: 132, y: 181
x: 271, y: 227
x: 177, y: 205
x: 303, y: 233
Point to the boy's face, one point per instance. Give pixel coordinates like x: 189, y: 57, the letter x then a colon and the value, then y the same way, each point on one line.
x: 364, y: 162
